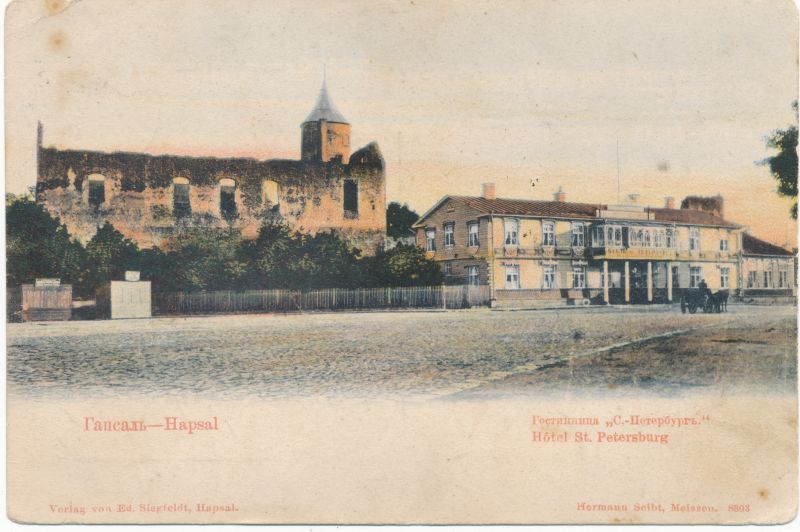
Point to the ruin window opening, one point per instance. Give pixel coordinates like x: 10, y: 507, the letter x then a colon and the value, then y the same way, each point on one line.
x: 97, y: 190
x: 227, y: 199
x: 350, y: 198
x: 269, y: 193
x: 181, y: 202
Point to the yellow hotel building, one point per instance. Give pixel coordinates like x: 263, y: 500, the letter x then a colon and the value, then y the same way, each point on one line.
x: 558, y: 252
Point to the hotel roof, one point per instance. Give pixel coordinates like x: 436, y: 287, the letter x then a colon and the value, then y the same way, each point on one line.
x: 755, y: 246
x: 566, y: 209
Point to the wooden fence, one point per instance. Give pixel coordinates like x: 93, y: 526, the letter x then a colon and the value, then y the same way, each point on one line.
x: 230, y: 302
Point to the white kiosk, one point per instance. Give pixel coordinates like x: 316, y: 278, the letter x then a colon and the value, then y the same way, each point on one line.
x: 124, y: 299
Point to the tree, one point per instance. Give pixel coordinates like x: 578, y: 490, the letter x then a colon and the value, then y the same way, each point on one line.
x: 403, y: 265
x: 204, y: 260
x: 334, y: 263
x: 38, y: 245
x: 399, y: 219
x: 109, y: 254
x: 273, y: 257
x: 783, y: 165
x: 280, y: 258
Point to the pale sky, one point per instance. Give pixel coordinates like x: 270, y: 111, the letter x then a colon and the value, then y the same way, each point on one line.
x: 455, y: 93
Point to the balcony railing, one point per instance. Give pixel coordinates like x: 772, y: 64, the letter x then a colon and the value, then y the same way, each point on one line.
x: 610, y: 252
x: 540, y: 251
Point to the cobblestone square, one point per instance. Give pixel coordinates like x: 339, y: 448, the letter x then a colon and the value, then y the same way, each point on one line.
x: 408, y: 354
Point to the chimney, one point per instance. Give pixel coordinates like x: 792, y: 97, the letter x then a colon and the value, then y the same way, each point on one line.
x: 710, y: 204
x: 488, y: 191
x: 669, y: 202
x: 559, y: 195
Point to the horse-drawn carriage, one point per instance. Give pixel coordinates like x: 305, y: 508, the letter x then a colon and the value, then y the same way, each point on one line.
x: 697, y: 298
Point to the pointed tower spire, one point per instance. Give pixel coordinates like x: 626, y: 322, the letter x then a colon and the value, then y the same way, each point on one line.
x: 326, y: 133
x: 324, y: 109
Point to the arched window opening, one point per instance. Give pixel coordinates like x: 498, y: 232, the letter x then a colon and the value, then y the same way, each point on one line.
x: 269, y: 193
x: 350, y: 198
x: 97, y: 189
x: 227, y: 198
x: 181, y: 202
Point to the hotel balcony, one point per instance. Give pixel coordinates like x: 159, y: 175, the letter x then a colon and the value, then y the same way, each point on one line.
x: 541, y: 252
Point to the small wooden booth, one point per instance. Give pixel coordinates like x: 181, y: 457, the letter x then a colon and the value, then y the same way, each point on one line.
x: 46, y: 300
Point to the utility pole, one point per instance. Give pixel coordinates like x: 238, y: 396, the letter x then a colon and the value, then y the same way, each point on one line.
x: 618, y: 189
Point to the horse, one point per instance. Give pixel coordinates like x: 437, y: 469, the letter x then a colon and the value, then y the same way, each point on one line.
x: 719, y: 301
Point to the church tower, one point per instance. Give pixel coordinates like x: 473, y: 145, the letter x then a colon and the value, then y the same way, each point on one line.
x: 326, y: 133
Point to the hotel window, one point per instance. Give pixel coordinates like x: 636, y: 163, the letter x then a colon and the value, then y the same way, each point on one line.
x: 768, y: 279
x: 658, y: 238
x: 549, y: 276
x: 633, y: 237
x: 578, y: 235
x: 694, y: 239
x: 430, y: 240
x: 472, y: 276
x: 512, y: 230
x: 548, y: 233
x: 579, y: 277
x: 694, y: 277
x: 648, y: 240
x: 723, y: 277
x: 448, y: 268
x: 512, y: 277
x: 449, y: 238
x: 752, y: 279
x: 782, y: 277
x: 670, y: 238
x: 599, y: 236
x: 472, y: 233
x: 614, y: 236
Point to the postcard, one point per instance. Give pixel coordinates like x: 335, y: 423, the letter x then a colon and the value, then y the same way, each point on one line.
x: 386, y: 262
